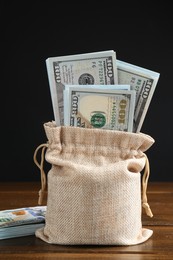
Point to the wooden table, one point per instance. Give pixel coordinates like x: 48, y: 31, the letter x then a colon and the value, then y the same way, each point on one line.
x: 159, y: 246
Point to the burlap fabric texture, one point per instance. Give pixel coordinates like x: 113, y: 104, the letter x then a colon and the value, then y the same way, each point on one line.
x: 95, y: 186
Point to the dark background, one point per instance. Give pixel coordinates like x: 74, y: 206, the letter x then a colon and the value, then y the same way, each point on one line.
x: 33, y: 31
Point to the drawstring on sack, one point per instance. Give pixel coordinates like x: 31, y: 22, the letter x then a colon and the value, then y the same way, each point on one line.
x: 40, y: 166
x: 145, y: 178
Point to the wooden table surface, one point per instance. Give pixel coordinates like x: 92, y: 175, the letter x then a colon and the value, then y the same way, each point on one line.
x: 159, y: 246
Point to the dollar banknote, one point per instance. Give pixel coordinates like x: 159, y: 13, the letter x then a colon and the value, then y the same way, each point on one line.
x: 67, y: 94
x: 97, y: 68
x: 21, y: 221
x: 99, y: 108
x: 144, y: 82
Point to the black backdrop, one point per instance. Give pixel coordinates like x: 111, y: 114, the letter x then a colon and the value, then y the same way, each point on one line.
x: 33, y: 31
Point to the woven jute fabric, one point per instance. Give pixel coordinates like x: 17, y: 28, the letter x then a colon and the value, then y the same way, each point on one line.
x: 94, y: 186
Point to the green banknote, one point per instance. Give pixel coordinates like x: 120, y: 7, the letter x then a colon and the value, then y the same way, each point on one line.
x: 97, y: 68
x: 99, y: 108
x: 144, y: 82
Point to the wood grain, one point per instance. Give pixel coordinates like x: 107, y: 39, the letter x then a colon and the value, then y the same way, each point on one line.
x: 159, y: 246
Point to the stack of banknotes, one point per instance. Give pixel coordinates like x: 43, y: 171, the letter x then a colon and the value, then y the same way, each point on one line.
x: 96, y: 90
x: 21, y: 221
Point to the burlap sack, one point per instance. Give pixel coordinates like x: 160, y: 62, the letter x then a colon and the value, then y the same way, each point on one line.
x: 94, y: 186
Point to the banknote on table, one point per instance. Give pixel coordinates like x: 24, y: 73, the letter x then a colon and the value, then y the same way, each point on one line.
x: 144, y: 82
x: 20, y: 231
x: 96, y: 68
x: 99, y: 108
x: 21, y: 221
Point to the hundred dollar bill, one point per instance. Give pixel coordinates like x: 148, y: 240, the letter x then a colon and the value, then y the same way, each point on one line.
x: 22, y: 216
x: 21, y: 221
x: 68, y: 87
x: 100, y: 108
x: 97, y: 68
x: 144, y: 82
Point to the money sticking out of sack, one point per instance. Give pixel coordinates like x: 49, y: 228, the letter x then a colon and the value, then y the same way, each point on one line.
x: 93, y: 107
x: 101, y: 69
